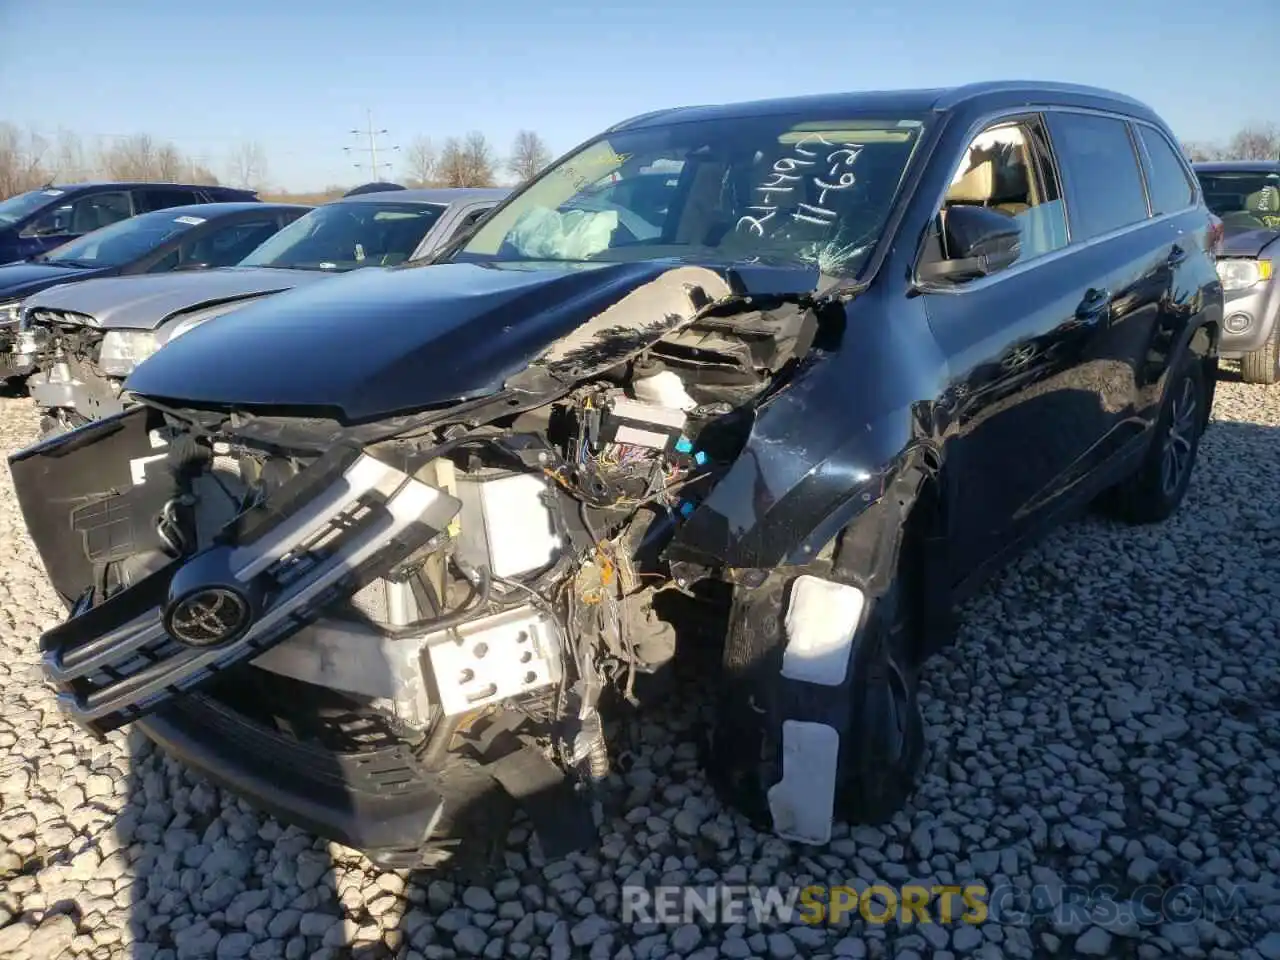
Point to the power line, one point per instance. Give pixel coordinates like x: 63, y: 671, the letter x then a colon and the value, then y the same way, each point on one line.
x: 373, y: 166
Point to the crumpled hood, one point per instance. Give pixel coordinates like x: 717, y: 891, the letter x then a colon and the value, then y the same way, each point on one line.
x: 24, y: 278
x: 1248, y: 243
x: 375, y: 343
x: 146, y: 302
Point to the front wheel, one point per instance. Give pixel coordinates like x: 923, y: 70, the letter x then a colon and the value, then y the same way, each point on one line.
x: 1156, y: 489
x: 1262, y: 365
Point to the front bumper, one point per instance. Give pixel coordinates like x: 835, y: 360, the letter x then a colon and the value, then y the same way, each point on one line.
x: 1257, y: 311
x: 77, y: 387
x: 345, y: 520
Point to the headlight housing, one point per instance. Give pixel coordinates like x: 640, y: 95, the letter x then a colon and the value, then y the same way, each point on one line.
x: 1243, y: 274
x: 9, y: 312
x: 122, y: 350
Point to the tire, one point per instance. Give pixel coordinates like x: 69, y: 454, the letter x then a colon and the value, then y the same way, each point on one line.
x: 1156, y: 489
x: 882, y: 767
x: 882, y: 749
x: 1262, y: 365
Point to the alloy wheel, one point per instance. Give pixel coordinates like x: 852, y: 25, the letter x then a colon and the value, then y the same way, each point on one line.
x: 1179, y: 439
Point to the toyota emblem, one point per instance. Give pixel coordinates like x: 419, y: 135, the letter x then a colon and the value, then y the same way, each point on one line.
x: 208, y: 617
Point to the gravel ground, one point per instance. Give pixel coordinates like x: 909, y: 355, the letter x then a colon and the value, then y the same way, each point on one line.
x: 1108, y: 717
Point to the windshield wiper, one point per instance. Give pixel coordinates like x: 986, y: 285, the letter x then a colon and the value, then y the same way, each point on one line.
x: 72, y: 263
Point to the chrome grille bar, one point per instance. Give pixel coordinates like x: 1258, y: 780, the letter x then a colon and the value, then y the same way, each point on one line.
x: 130, y: 669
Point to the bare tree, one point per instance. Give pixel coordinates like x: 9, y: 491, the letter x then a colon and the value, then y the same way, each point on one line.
x: 529, y: 154
x: 1257, y: 142
x: 421, y: 160
x: 248, y: 165
x: 131, y: 158
x: 1198, y: 151
x: 170, y: 164
x: 21, y: 160
x: 70, y: 163
x: 466, y: 163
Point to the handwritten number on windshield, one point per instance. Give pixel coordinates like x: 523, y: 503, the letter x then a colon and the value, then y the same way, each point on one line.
x: 788, y: 171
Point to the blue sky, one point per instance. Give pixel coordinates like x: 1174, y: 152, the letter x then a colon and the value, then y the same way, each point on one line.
x: 298, y: 75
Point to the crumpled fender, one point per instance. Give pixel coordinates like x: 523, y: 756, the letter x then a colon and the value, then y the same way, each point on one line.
x: 823, y: 450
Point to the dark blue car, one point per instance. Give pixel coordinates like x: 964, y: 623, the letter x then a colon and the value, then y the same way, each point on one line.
x: 40, y: 220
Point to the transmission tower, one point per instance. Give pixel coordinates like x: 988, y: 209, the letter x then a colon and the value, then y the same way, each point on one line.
x: 374, y: 167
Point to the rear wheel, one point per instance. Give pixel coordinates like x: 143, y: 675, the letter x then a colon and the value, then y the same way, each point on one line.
x: 1156, y: 489
x: 1263, y: 364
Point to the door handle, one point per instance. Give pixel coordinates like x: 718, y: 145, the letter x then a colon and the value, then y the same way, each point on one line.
x: 1176, y: 256
x: 1095, y: 303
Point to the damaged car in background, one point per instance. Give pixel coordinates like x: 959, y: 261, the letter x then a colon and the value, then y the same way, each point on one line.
x: 377, y: 554
x: 84, y: 342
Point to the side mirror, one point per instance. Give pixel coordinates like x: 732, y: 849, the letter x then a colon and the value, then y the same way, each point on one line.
x: 981, y: 242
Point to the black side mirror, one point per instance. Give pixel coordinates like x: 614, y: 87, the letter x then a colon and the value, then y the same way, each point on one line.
x: 980, y: 242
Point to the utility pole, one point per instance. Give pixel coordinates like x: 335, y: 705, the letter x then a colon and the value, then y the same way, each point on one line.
x: 373, y: 135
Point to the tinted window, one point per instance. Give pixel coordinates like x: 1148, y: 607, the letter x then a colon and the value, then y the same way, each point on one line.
x: 83, y: 215
x: 219, y: 248
x: 123, y: 242
x: 25, y: 204
x: 164, y: 197
x: 1169, y: 186
x: 1100, y: 170
x: 348, y: 235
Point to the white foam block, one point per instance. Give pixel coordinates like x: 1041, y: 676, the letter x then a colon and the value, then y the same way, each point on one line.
x: 802, y: 803
x: 822, y: 618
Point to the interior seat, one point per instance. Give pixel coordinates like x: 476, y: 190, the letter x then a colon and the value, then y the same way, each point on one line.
x: 975, y: 188
x: 1012, y: 190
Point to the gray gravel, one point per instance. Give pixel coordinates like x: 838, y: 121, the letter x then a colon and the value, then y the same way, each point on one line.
x: 1111, y: 715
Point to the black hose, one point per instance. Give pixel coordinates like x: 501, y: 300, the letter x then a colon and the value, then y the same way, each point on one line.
x: 478, y: 600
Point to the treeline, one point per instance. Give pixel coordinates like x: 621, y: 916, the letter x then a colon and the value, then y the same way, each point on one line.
x: 1256, y: 142
x: 29, y: 159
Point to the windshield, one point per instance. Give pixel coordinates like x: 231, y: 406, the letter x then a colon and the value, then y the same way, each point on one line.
x: 345, y: 236
x: 24, y: 204
x: 1243, y: 199
x: 774, y: 189
x: 122, y: 242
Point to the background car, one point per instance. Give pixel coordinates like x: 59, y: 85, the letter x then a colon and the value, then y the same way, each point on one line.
x: 1245, y: 194
x: 199, y: 236
x: 127, y: 319
x: 39, y: 220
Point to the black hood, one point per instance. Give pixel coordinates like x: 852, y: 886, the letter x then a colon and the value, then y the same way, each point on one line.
x: 25, y: 277
x: 375, y: 343
x: 1247, y: 242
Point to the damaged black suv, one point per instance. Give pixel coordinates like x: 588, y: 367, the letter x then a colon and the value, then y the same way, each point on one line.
x: 375, y: 553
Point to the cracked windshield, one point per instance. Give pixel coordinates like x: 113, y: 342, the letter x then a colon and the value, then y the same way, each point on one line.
x: 774, y: 190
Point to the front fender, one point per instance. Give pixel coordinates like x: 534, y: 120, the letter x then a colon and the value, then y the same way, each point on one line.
x: 825, y: 448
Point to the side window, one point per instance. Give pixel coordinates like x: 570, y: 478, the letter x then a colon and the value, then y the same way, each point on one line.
x: 161, y: 198
x: 1168, y: 182
x: 470, y: 220
x: 1100, y: 170
x: 1007, y: 169
x: 82, y: 215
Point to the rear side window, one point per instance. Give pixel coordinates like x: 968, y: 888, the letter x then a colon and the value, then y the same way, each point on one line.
x: 161, y: 198
x: 1169, y: 185
x: 1100, y: 173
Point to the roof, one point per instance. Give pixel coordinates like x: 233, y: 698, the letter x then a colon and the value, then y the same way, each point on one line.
x: 207, y: 210
x: 135, y: 184
x: 894, y: 103
x: 444, y: 195
x: 1238, y: 166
